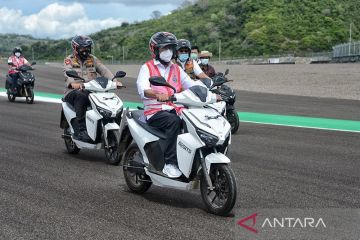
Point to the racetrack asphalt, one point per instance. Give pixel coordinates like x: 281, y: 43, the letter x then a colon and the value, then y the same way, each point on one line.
x: 45, y: 193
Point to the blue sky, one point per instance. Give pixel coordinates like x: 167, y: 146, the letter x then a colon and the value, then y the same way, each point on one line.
x: 61, y: 19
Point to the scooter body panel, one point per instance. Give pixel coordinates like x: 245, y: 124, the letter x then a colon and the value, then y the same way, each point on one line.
x: 92, y: 118
x: 85, y: 145
x: 108, y: 101
x: 218, y: 106
x: 202, y: 117
x: 141, y: 137
x: 69, y: 114
x: 186, y: 149
x: 161, y: 181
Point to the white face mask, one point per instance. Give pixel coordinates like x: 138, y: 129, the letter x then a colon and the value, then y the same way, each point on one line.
x: 17, y: 54
x: 166, y: 55
x: 204, y: 61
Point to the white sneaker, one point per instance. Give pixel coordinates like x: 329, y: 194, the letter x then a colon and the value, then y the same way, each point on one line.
x: 172, y: 171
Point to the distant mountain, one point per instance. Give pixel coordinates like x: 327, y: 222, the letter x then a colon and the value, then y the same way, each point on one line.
x: 244, y: 27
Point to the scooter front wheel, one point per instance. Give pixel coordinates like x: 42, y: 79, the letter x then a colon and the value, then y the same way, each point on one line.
x: 111, y: 151
x: 222, y: 198
x: 135, y: 176
x: 69, y: 143
x: 30, y: 98
x: 11, y: 97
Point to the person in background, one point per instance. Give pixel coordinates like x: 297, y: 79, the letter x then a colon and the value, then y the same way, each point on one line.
x: 15, y: 61
x: 195, y: 51
x: 190, y: 66
x: 204, y: 63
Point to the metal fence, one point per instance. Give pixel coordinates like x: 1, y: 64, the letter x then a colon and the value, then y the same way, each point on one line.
x: 346, y: 50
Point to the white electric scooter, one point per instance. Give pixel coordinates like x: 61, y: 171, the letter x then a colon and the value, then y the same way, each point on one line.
x: 102, y: 118
x: 200, y: 151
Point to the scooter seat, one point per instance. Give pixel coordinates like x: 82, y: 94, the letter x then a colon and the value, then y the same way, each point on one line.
x: 139, y: 117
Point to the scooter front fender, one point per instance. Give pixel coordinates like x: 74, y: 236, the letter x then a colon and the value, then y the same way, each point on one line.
x: 215, y: 158
x: 112, y: 127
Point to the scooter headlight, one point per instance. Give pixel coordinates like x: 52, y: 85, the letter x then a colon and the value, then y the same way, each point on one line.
x: 209, y: 139
x: 105, y: 113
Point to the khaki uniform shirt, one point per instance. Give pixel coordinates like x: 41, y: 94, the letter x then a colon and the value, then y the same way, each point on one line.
x: 88, y: 70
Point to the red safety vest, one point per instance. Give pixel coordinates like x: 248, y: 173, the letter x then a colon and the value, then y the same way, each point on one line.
x: 151, y: 105
x: 17, y: 62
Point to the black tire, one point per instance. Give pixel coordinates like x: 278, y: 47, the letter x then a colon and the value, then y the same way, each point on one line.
x: 69, y: 144
x: 112, y: 153
x: 233, y: 119
x: 11, y: 97
x: 30, y: 98
x: 136, y: 182
x: 221, y: 200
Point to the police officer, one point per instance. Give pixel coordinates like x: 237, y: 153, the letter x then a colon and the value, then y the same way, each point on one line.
x: 88, y: 67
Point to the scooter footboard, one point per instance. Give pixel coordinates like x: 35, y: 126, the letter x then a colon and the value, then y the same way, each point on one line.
x: 215, y: 158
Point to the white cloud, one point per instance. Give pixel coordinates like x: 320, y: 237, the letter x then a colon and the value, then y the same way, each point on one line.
x: 53, y: 21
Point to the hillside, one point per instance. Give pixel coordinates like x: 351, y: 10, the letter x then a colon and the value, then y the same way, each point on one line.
x: 245, y: 28
x: 9, y: 41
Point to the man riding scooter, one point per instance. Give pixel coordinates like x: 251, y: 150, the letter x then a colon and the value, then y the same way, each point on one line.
x: 88, y: 67
x: 159, y: 113
x: 15, y: 61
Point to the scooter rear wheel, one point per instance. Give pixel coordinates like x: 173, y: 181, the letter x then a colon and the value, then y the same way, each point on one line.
x: 221, y: 200
x: 69, y: 143
x: 135, y: 177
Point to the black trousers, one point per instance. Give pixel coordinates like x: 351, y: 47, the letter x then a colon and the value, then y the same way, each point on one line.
x: 79, y: 99
x: 170, y: 124
x: 13, y: 80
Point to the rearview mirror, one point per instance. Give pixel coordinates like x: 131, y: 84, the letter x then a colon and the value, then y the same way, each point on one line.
x: 160, y: 81
x: 226, y: 71
x: 73, y: 74
x: 33, y: 63
x: 120, y: 74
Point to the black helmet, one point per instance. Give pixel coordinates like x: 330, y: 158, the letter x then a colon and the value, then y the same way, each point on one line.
x: 79, y: 43
x: 17, y: 49
x: 183, y: 43
x: 160, y: 40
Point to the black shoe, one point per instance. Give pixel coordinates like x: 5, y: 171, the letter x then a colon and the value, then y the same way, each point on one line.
x: 80, y: 132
